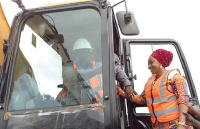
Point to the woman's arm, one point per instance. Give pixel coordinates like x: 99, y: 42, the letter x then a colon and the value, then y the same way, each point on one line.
x: 181, y: 90
x: 138, y: 99
x: 182, y: 109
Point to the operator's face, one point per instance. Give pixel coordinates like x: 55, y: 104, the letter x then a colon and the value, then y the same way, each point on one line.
x: 84, y: 55
x: 153, y: 65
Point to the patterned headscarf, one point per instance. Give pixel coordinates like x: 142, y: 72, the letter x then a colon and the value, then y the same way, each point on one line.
x: 163, y: 56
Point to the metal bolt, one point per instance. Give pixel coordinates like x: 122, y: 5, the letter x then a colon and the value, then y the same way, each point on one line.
x: 1, y: 107
x: 106, y: 98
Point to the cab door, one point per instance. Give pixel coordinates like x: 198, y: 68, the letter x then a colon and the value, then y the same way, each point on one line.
x: 40, y: 64
x: 136, y: 53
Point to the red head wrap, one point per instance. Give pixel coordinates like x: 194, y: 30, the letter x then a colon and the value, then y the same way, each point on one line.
x: 163, y: 56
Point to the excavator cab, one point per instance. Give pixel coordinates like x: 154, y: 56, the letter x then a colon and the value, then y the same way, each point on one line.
x: 46, y: 81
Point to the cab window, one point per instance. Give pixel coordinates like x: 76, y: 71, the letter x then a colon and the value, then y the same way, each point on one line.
x: 59, y: 61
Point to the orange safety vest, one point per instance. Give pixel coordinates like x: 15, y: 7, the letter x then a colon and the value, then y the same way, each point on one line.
x: 95, y: 83
x: 162, y: 104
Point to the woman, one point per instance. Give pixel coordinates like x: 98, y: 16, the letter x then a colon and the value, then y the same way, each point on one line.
x: 165, y: 93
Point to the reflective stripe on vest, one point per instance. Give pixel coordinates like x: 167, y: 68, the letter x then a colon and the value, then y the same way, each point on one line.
x: 149, y: 80
x: 163, y: 112
x: 161, y: 109
x: 163, y: 97
x: 96, y: 84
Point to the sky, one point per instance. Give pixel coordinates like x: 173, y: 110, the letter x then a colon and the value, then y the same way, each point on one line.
x: 174, y: 19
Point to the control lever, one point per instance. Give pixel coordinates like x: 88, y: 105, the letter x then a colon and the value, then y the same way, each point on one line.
x: 61, y: 86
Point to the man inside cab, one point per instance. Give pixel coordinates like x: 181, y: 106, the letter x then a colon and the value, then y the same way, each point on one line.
x: 83, y: 77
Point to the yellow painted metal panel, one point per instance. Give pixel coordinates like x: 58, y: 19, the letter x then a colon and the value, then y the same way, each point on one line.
x: 4, y: 32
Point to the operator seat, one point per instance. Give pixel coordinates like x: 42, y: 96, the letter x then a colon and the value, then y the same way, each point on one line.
x: 25, y: 90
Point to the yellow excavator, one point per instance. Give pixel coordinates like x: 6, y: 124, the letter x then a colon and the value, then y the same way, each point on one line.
x: 42, y: 88
x: 4, y: 33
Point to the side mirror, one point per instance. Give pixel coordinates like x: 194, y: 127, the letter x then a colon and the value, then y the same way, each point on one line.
x: 127, y: 23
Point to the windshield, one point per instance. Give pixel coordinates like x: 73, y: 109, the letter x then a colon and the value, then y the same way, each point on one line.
x: 58, y: 72
x: 59, y: 61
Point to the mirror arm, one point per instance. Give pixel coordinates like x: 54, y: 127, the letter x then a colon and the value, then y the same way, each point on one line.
x: 20, y: 4
x: 127, y: 16
x: 126, y: 6
x: 117, y: 3
x: 120, y: 3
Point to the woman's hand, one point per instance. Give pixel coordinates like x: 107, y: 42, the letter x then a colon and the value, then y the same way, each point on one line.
x: 120, y: 91
x: 130, y: 97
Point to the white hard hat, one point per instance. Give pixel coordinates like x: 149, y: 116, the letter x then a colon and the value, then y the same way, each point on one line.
x: 82, y: 44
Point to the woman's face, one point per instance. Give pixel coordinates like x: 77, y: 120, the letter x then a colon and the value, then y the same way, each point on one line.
x: 153, y: 65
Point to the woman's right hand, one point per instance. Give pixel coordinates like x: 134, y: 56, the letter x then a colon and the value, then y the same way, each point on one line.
x: 130, y: 97
x: 120, y: 91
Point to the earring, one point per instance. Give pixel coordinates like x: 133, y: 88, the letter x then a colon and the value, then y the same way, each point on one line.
x: 161, y: 66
